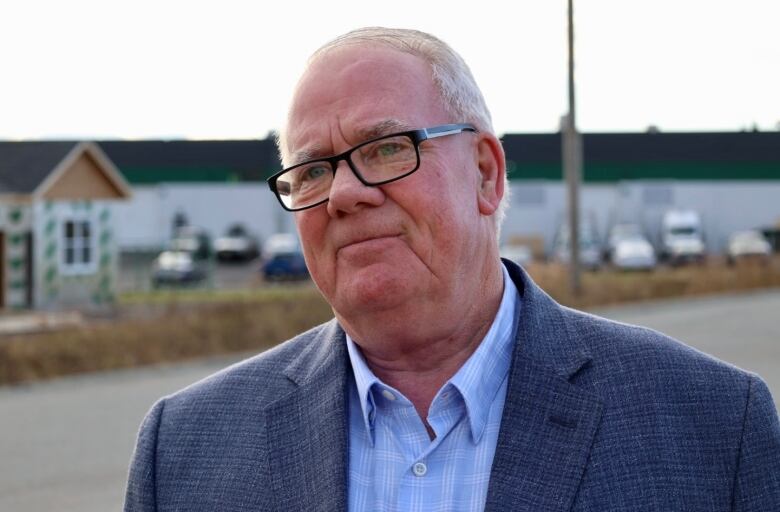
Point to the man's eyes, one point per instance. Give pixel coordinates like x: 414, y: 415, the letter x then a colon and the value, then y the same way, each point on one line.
x: 312, y: 173
x: 386, y: 150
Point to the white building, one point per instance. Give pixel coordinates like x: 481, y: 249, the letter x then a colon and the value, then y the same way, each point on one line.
x: 731, y: 179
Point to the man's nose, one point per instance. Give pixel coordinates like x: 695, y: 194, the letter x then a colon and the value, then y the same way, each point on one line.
x: 349, y: 195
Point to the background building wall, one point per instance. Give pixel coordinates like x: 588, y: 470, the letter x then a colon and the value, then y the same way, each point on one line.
x: 537, y: 209
x: 146, y: 221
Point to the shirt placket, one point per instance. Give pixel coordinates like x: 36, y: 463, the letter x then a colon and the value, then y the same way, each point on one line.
x: 419, y: 451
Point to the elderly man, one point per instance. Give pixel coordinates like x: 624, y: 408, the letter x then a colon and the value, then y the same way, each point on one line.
x: 447, y: 381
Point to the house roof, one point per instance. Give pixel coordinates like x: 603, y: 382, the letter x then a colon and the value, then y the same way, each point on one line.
x: 25, y: 165
x: 38, y: 169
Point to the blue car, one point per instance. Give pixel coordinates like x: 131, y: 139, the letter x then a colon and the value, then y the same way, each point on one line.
x: 287, y: 266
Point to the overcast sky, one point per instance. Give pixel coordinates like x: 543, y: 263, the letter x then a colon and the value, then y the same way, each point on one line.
x: 225, y: 69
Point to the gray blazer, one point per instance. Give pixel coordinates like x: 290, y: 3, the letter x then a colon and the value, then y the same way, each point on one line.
x: 599, y: 416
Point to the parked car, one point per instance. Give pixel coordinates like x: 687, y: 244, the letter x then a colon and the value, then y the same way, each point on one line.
x: 236, y: 245
x: 617, y: 233
x: 590, y: 248
x: 633, y: 253
x: 682, y: 239
x: 177, y: 268
x: 285, y: 266
x: 283, y: 258
x: 628, y: 248
x: 748, y: 245
x: 192, y: 240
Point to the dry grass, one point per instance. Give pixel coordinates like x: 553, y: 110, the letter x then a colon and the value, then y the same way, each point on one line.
x: 170, y: 331
x: 610, y: 287
x: 164, y: 327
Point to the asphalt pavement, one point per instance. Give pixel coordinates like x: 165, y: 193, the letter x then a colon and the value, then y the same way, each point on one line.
x: 65, y: 444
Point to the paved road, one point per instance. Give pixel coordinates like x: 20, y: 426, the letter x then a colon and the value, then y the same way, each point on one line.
x: 65, y: 445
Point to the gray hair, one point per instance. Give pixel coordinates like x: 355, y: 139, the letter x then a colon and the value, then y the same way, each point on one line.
x: 460, y: 95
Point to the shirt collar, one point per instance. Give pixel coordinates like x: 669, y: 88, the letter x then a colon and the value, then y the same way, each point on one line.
x: 480, y: 377
x: 364, y: 380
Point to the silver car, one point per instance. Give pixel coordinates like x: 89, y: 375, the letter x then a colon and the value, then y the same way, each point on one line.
x: 629, y: 249
x: 748, y: 245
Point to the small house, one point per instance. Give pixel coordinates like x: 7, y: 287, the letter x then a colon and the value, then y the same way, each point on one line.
x: 57, y: 237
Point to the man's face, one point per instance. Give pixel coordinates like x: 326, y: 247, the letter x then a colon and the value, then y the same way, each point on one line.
x: 405, y: 244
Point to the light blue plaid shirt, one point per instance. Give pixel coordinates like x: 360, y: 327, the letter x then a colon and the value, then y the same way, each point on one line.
x: 393, y: 464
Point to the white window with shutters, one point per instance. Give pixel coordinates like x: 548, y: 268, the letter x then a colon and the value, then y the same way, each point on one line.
x: 78, y: 245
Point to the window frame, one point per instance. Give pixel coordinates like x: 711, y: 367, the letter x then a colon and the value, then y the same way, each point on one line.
x: 78, y: 243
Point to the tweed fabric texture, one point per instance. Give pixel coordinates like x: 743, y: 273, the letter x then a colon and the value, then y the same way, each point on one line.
x: 598, y: 416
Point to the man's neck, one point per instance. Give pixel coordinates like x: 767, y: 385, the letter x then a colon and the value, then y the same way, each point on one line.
x: 418, y: 360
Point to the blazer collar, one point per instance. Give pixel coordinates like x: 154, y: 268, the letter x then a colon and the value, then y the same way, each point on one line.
x: 549, y: 423
x: 307, y: 429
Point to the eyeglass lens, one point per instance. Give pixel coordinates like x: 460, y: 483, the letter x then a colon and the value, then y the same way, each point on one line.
x: 376, y: 162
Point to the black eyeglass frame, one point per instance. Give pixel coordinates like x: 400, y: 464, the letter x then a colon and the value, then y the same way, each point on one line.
x: 417, y: 137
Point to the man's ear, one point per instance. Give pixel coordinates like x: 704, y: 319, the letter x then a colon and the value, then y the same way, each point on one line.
x: 492, y: 170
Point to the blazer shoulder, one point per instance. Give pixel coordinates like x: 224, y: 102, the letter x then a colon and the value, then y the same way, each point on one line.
x: 261, y: 379
x: 674, y: 414
x: 626, y: 356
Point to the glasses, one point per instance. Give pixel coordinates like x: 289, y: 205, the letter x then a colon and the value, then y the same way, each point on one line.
x: 375, y: 162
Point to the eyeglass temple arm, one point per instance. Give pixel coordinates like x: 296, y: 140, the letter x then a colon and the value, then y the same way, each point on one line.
x: 447, y: 129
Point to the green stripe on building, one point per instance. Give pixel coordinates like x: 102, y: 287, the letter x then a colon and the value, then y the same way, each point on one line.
x: 684, y: 171
x: 152, y: 175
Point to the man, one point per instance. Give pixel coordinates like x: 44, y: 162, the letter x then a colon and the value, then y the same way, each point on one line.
x: 447, y: 380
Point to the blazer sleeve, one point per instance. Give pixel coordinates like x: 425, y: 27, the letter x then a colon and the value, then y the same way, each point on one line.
x: 757, y: 482
x: 140, y: 495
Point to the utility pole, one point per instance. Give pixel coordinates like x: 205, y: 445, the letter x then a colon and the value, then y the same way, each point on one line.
x: 572, y: 168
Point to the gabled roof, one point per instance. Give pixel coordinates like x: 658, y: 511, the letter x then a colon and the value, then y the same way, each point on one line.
x: 34, y: 168
x: 25, y: 165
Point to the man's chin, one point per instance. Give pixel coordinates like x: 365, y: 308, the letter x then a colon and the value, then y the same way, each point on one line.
x: 374, y: 288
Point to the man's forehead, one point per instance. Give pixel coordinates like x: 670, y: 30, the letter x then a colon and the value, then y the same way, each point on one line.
x: 355, y: 93
x: 356, y: 135
x: 382, y: 127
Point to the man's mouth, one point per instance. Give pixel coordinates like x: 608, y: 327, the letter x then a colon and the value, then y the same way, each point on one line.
x: 367, y: 242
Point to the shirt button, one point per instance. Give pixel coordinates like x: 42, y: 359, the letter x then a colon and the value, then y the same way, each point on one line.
x: 388, y: 394
x: 419, y: 469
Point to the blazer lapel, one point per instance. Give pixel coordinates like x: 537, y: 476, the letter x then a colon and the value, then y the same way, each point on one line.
x: 307, y: 430
x: 549, y: 423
